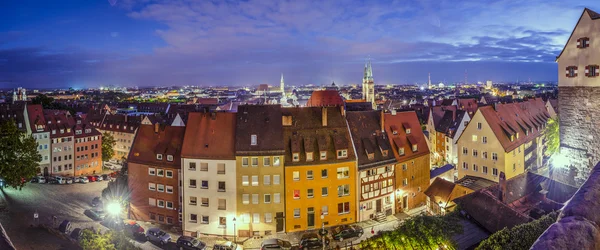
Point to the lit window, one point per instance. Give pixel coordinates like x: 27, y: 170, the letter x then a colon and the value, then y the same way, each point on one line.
x: 343, y: 173
x: 296, y: 175
x: 474, y: 138
x: 276, y: 161
x: 245, y: 199
x: 253, y: 140
x: 245, y: 181
x: 255, y: 180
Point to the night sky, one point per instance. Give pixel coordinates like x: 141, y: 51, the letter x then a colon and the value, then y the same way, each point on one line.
x: 89, y: 43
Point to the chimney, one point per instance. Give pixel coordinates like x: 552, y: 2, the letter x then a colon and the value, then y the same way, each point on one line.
x: 382, y: 121
x: 343, y: 110
x: 393, y: 112
x: 156, y: 125
x: 324, y: 116
x: 502, y: 184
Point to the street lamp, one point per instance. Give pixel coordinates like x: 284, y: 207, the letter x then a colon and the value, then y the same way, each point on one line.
x: 234, y: 231
x: 114, y: 208
x: 323, y: 230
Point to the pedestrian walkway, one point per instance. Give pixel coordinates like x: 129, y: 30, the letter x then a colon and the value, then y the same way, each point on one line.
x: 370, y: 227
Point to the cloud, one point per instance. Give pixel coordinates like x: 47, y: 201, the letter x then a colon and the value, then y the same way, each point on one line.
x: 251, y: 42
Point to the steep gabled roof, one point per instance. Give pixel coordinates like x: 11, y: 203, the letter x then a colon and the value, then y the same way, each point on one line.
x: 151, y: 140
x: 394, y: 122
x: 324, y: 98
x: 365, y: 129
x: 264, y: 121
x: 210, y: 135
x: 490, y: 212
x: 592, y: 14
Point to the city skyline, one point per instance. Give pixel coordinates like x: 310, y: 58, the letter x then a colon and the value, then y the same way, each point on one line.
x: 147, y: 43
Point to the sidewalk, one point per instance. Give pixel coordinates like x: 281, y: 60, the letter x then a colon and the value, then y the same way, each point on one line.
x: 370, y: 227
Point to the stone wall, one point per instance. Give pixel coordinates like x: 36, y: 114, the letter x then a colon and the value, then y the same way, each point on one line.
x: 578, y: 223
x: 579, y: 110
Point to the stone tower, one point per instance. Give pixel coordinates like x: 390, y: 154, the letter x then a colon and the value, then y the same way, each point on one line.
x: 368, y: 86
x: 579, y: 97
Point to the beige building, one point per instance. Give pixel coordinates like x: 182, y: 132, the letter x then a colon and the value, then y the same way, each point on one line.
x: 259, y: 170
x: 503, y: 138
x: 123, y: 129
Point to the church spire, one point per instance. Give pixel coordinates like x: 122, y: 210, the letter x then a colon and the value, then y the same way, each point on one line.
x: 282, y: 84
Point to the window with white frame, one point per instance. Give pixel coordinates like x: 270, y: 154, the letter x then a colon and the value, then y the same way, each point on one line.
x: 296, y: 212
x: 267, y: 180
x: 170, y: 189
x: 244, y: 161
x: 204, y: 202
x: 160, y: 187
x: 296, y: 175
x: 169, y: 173
x: 254, y: 198
x: 494, y: 156
x: 192, y: 166
x: 151, y: 171
x: 159, y: 156
x: 151, y: 186
x: 309, y: 174
x: 152, y: 202
x: 160, y: 203
x: 220, y: 168
x: 343, y: 172
x: 276, y: 161
x: 169, y: 204
x: 324, y: 191
x: 267, y: 198
x: 277, y: 198
x: 479, y: 126
x: 194, y: 218
x: 193, y: 200
x: 245, y: 181
x: 255, y: 180
x: 255, y: 161
x: 474, y: 138
x: 160, y: 172
x: 253, y: 140
x: 484, y: 139
x: 204, y: 166
x: 494, y: 171
x: 276, y: 179
x: 245, y: 198
x: 266, y: 161
x: 268, y: 217
x: 169, y: 158
x: 342, y: 153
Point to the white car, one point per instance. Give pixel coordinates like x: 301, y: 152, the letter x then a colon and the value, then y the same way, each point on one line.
x: 82, y: 179
x: 41, y: 179
x: 61, y: 180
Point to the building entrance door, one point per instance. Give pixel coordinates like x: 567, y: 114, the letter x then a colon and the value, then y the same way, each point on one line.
x: 46, y: 171
x: 405, y: 203
x: 310, y: 219
x: 279, y: 219
x: 378, y: 206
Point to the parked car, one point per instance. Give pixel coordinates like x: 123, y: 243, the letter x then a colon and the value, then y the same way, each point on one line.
x: 76, y: 233
x: 82, y: 179
x: 65, y: 227
x: 98, y: 177
x: 156, y: 235
x: 70, y: 180
x: 226, y: 245
x: 346, y: 231
x: 275, y: 244
x: 93, y: 215
x: 190, y: 243
x: 96, y: 202
x: 40, y: 179
x: 106, y: 177
x: 91, y: 178
x: 60, y: 180
x: 51, y: 180
x: 134, y: 228
x: 312, y: 240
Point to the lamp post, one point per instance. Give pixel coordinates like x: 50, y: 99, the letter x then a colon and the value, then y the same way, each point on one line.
x: 322, y: 230
x: 234, y: 231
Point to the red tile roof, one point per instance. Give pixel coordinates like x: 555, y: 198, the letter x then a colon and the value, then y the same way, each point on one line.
x: 209, y: 135
x: 35, y: 115
x: 320, y: 98
x: 401, y: 139
x: 526, y: 119
x: 151, y: 140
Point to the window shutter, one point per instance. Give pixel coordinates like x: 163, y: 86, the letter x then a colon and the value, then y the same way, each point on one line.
x: 567, y: 71
x: 579, y: 43
x: 575, y: 67
x: 587, y: 70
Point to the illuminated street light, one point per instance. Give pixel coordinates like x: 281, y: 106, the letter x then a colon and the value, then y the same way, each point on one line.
x: 113, y: 208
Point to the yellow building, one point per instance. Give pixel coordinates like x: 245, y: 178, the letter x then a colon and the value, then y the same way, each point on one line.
x: 320, y: 169
x: 259, y: 170
x: 502, y: 138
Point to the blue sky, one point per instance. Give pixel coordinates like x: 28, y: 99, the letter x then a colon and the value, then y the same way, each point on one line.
x: 87, y: 43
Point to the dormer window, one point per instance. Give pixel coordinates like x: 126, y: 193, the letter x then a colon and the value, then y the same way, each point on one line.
x: 159, y: 157
x: 309, y: 156
x: 54, y: 131
x: 408, y: 131
x: 79, y: 122
x: 401, y: 151
x: 571, y: 71
x: 169, y: 158
x: 88, y: 130
x: 517, y: 135
x: 384, y: 153
x: 591, y: 71
x: 583, y: 42
x: 512, y: 138
x: 68, y: 130
x: 342, y: 154
x: 323, y: 155
x: 371, y: 156
x: 295, y: 157
x: 253, y: 140
x: 414, y: 148
x: 62, y: 131
x: 78, y: 132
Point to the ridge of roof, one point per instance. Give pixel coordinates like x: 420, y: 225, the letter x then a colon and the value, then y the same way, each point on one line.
x: 593, y: 15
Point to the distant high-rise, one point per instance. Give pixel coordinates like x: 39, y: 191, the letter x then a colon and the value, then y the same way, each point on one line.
x: 282, y: 84
x: 368, y: 86
x: 429, y: 80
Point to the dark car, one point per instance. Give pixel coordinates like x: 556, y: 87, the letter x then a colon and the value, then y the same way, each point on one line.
x: 96, y: 202
x: 312, y: 240
x: 76, y: 233
x: 191, y: 243
x: 346, y: 231
x: 273, y: 244
x: 94, y: 215
x: 134, y: 229
x: 106, y: 177
x: 65, y: 227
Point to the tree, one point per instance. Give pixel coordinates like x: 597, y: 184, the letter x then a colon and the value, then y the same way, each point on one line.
x: 19, y: 158
x: 552, y: 134
x: 92, y: 240
x: 108, y: 142
x: 419, y: 232
x: 42, y: 99
x: 520, y: 237
x: 117, y: 190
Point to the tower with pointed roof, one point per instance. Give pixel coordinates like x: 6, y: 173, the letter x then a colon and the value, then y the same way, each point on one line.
x: 368, y: 86
x: 282, y: 84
